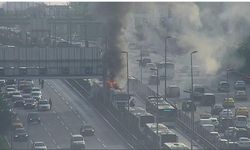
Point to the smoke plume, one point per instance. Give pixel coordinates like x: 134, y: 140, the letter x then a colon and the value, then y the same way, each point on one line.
x: 114, y: 16
x: 214, y: 29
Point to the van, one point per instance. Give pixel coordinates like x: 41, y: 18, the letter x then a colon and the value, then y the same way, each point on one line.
x: 242, y: 111
x: 241, y: 121
x: 208, y: 99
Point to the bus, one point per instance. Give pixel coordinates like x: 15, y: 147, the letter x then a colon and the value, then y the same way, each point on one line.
x: 175, y: 146
x: 138, y: 118
x: 170, y: 70
x: 164, y: 135
x: 167, y: 112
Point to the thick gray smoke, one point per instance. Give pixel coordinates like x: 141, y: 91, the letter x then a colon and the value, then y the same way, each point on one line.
x: 214, y: 29
x: 114, y: 16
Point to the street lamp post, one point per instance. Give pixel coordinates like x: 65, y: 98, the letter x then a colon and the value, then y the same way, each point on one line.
x: 227, y: 110
x: 157, y: 99
x: 165, y: 66
x: 192, y: 90
x: 125, y: 52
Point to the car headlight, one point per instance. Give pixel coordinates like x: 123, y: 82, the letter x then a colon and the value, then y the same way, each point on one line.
x: 26, y: 135
x: 16, y: 136
x: 30, y: 118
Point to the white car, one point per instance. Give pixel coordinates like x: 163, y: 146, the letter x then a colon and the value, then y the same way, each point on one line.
x: 241, y: 121
x: 37, y: 95
x: 240, y: 85
x: 240, y: 95
x: 209, y: 127
x: 43, y: 105
x: 39, y: 146
x: 215, y: 121
x: 77, y: 142
x: 226, y: 113
x: 244, y: 142
x: 36, y: 89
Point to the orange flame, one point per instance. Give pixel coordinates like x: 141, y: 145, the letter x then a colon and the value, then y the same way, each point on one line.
x: 112, y: 84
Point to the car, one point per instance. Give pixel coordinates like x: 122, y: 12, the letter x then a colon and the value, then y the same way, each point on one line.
x: 228, y: 103
x: 223, y: 86
x: 77, y: 142
x: 205, y: 116
x: 39, y: 146
x: 36, y: 89
x: 144, y: 62
x: 240, y: 85
x: 222, y: 144
x: 18, y: 101
x: 225, y: 123
x: 33, y: 117
x: 240, y: 95
x: 9, y: 92
x: 242, y: 111
x: 30, y: 103
x: 149, y: 67
x: 2, y: 82
x: 217, y: 108
x: 208, y: 99
x: 188, y: 105
x: 20, y: 135
x: 16, y: 125
x: 230, y: 133
x: 215, y: 121
x: 26, y: 96
x: 226, y: 113
x: 240, y: 132
x: 87, y: 130
x: 205, y: 121
x: 209, y: 127
x: 43, y: 105
x: 244, y: 142
x: 37, y: 95
x: 215, y: 136
x: 241, y: 121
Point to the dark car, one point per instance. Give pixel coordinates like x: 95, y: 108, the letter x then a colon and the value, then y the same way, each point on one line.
x: 223, y: 86
x: 188, y: 106
x: 87, y: 130
x: 18, y: 101
x: 208, y: 99
x: 30, y: 103
x: 33, y: 117
x: 20, y: 135
x: 217, y: 108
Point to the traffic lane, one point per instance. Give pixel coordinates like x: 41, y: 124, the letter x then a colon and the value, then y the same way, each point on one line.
x: 68, y: 116
x: 36, y: 131
x: 103, y: 128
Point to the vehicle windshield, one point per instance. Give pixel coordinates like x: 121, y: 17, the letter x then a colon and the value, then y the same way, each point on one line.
x: 225, y: 84
x: 199, y: 89
x: 241, y: 119
x: 33, y: 115
x: 26, y: 96
x: 35, y: 94
x: 20, y: 131
x: 78, y: 138
x: 43, y: 102
x: 29, y: 101
x: 39, y: 144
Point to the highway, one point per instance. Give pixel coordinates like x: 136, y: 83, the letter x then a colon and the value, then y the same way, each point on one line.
x: 135, y: 71
x: 69, y: 112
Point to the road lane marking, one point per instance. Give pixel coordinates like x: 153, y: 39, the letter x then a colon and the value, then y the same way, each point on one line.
x: 54, y: 141
x: 58, y: 117
x: 104, y: 145
x: 49, y: 134
x: 66, y: 128
x: 62, y: 123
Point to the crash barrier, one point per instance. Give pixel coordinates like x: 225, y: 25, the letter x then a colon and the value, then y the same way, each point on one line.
x: 200, y: 135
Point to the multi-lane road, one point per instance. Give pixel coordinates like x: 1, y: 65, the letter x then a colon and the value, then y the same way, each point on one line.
x: 69, y: 112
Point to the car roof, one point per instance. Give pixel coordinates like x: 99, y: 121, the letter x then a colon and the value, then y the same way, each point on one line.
x: 77, y: 135
x: 209, y: 94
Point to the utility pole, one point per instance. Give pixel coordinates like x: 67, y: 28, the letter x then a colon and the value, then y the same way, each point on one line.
x: 192, y: 88
x: 141, y: 65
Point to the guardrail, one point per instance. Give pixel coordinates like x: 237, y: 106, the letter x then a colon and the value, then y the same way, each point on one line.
x: 200, y: 135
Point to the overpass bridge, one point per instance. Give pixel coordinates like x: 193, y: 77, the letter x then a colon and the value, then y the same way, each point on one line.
x: 51, y: 62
